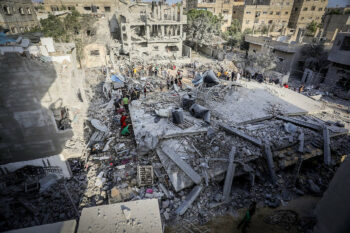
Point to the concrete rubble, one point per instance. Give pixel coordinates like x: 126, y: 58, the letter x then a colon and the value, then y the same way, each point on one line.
x: 194, y: 150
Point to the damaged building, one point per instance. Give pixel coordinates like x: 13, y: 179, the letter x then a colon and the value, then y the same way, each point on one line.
x: 338, y: 75
x: 151, y: 30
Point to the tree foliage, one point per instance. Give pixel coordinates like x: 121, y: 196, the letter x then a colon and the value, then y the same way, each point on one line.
x: 235, y: 37
x: 311, y: 28
x: 202, y: 26
x: 315, y: 57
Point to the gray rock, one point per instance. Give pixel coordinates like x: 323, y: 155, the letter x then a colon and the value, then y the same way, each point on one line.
x: 165, y: 204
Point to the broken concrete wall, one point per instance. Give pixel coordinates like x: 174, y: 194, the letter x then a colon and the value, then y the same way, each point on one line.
x: 33, y: 94
x: 333, y: 211
x: 28, y: 130
x: 95, y: 56
x: 186, y: 51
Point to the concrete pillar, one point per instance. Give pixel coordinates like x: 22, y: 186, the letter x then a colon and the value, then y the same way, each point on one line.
x: 335, y: 34
x: 162, y: 28
x: 147, y: 32
x: 181, y: 12
x: 158, y: 9
x: 161, y: 12
x: 180, y: 30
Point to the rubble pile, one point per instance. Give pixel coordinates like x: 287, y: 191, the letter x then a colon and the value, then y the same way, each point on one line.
x: 198, y: 167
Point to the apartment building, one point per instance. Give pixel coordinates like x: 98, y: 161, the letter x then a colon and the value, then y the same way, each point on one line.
x: 82, y: 6
x: 17, y: 16
x: 258, y: 14
x: 306, y: 11
x: 217, y: 7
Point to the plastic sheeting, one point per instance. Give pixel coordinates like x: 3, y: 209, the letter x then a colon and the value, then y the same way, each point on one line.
x: 210, y: 78
x: 117, y: 78
x: 198, y: 79
x: 199, y: 111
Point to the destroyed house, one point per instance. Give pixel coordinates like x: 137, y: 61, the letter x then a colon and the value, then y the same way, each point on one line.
x: 146, y: 29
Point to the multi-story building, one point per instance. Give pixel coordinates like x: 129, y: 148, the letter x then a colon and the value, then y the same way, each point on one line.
x: 17, y: 16
x: 257, y: 14
x: 217, y: 7
x: 151, y: 30
x: 336, y: 20
x: 82, y: 6
x: 306, y: 11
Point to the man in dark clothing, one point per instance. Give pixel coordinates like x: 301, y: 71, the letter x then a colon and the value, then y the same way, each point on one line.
x: 247, y: 217
x: 176, y: 81
x: 232, y: 75
x: 145, y: 91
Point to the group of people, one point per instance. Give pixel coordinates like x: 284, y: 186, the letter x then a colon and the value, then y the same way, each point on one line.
x: 233, y: 76
x: 170, y: 81
x: 121, y: 106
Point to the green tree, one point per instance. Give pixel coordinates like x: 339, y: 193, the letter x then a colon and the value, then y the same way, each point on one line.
x: 315, y: 57
x: 53, y: 27
x: 202, y: 27
x: 311, y: 28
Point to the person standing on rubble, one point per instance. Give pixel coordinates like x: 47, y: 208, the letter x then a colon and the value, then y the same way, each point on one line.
x: 135, y: 72
x: 232, y: 75
x: 176, y: 80
x: 145, y: 91
x: 126, y: 103
x: 247, y: 217
x: 168, y: 83
x: 172, y: 81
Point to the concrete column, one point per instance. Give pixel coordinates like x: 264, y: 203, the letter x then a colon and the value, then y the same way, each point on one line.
x: 180, y: 30
x: 147, y: 32
x: 181, y: 12
x: 162, y: 28
x: 161, y: 12
x: 158, y: 9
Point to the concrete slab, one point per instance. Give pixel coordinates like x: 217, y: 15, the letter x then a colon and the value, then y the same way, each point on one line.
x: 256, y: 100
x: 132, y: 216
x: 58, y: 227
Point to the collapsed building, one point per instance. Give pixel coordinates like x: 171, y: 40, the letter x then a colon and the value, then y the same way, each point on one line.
x: 152, y: 30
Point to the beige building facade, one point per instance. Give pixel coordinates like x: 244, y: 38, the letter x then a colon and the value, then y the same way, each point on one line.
x: 82, y: 6
x: 217, y: 7
x: 306, y: 11
x: 17, y: 16
x: 273, y: 15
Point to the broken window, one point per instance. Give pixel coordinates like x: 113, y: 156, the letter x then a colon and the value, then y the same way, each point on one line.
x: 271, y: 12
x: 54, y: 8
x: 313, y: 8
x: 7, y: 10
x: 320, y: 9
x: 29, y: 11
x: 21, y: 10
x: 346, y: 44
x: 13, y: 30
x: 270, y: 21
x: 286, y: 12
x: 95, y: 52
x: 155, y: 48
x: 225, y: 12
x: 305, y: 9
x: 172, y: 48
x: 296, y: 9
x: 107, y: 9
x: 143, y: 44
x: 87, y: 8
x: 278, y: 13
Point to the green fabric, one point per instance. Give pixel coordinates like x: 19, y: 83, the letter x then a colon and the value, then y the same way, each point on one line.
x: 247, y: 216
x: 125, y: 100
x: 125, y: 130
